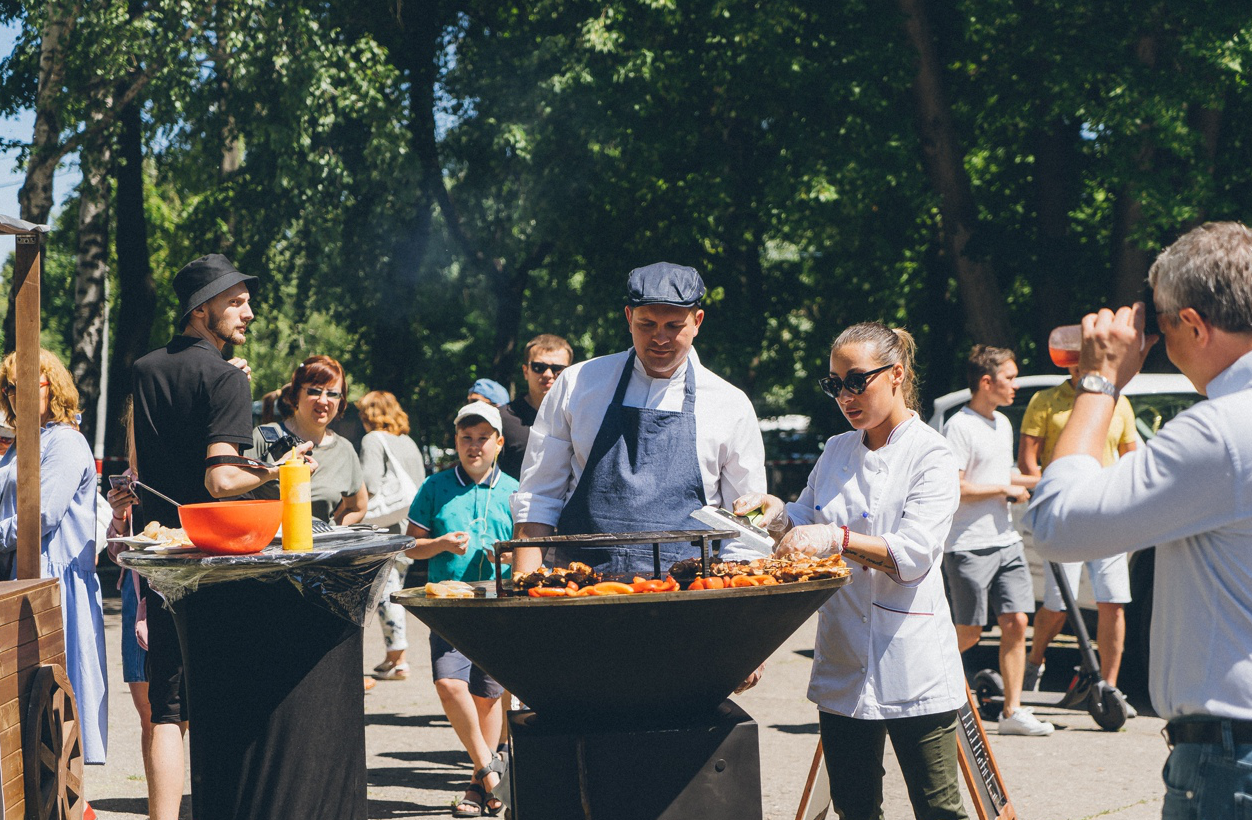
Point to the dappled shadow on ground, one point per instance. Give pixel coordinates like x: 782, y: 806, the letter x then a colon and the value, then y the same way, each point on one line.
x: 796, y: 728
x: 447, y: 758
x: 435, y: 770
x: 395, y: 810
x: 432, y: 780
x: 392, y: 719
x: 121, y: 805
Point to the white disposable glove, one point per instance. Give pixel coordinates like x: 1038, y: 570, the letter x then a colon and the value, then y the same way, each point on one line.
x: 812, y: 539
x: 774, y: 518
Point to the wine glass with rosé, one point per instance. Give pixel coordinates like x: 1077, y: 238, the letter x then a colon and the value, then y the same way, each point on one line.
x: 1065, y: 345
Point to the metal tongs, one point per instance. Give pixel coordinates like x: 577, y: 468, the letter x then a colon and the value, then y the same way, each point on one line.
x: 137, y: 483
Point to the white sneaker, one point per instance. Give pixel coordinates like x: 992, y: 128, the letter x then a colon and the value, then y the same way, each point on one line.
x: 1032, y: 676
x: 1023, y: 722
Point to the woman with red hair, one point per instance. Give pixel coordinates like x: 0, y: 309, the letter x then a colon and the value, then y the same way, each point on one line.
x: 315, y: 397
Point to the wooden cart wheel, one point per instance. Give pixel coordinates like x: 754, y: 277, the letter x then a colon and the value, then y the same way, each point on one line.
x: 52, y: 749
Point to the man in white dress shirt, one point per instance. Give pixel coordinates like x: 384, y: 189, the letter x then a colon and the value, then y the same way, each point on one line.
x: 638, y: 440
x: 1189, y: 492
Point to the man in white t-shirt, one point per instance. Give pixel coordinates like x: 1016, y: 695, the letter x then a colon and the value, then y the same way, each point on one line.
x: 983, y: 557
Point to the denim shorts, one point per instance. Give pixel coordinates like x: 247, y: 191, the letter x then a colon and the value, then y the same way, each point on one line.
x: 133, y: 657
x: 447, y: 663
x: 1208, y: 781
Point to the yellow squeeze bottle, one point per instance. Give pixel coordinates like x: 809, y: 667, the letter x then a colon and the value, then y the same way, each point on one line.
x: 294, y: 490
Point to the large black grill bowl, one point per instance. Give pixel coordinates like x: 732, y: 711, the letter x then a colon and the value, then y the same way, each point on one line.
x: 631, y: 657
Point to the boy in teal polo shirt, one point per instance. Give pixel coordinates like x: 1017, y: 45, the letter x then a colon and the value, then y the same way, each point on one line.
x: 457, y: 517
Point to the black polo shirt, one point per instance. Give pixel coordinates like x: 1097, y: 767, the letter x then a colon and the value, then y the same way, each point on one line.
x: 186, y: 398
x: 516, y: 417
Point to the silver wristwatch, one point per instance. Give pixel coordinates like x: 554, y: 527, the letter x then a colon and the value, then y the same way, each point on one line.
x: 1095, y: 383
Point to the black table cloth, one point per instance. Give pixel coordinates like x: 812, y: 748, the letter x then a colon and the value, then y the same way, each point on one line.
x: 272, y: 654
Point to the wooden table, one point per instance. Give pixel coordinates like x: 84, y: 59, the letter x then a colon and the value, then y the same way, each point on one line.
x: 32, y: 639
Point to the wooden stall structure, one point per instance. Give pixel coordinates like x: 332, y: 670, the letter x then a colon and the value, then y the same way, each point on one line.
x: 41, y: 762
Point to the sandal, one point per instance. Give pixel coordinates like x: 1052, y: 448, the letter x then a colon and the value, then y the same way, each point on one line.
x: 492, y: 805
x: 391, y: 671
x: 471, y: 808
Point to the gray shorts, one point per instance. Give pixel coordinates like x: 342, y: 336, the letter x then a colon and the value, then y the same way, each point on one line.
x: 447, y: 662
x: 998, y: 574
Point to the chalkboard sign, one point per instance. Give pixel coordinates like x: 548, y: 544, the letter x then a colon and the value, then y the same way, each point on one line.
x: 982, y: 775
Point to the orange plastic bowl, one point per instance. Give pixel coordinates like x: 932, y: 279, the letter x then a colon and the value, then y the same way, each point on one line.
x: 231, y: 527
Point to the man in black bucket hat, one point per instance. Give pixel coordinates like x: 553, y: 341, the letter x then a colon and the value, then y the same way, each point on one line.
x: 191, y: 406
x: 205, y: 278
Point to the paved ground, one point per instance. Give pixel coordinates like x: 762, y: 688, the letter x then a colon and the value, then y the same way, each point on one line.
x: 416, y: 766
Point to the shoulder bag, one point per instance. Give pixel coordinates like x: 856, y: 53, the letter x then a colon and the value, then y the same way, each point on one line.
x: 390, y: 505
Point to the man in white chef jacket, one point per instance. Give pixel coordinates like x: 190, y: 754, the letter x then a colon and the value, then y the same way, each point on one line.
x: 638, y: 440
x: 1189, y: 493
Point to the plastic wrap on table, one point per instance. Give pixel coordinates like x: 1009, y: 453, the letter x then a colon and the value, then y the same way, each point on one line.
x: 346, y: 578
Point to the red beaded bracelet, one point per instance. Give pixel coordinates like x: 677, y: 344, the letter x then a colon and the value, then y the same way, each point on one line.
x: 847, y: 536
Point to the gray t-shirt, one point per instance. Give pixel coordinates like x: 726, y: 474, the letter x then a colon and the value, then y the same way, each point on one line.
x: 338, y: 471
x: 373, y: 460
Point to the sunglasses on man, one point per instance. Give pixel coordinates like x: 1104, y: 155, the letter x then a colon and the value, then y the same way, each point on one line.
x: 855, y: 382
x: 539, y: 367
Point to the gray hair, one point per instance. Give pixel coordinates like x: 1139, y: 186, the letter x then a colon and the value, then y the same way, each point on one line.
x: 890, y: 346
x: 1209, y: 269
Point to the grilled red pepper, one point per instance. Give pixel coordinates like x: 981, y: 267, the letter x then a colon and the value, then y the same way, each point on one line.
x: 548, y: 592
x: 612, y: 588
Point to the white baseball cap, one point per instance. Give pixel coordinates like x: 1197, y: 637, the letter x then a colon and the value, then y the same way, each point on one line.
x: 482, y: 410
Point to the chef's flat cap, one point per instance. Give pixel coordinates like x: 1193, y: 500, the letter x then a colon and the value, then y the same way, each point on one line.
x: 206, y: 277
x: 664, y: 284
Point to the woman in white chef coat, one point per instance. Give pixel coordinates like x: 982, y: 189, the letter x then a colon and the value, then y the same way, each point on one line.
x: 886, y: 660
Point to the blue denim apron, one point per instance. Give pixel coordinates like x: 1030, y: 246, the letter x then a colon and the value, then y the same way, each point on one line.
x: 643, y: 475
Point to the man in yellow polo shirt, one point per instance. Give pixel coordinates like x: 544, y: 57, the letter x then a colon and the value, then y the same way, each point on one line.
x: 1045, y: 418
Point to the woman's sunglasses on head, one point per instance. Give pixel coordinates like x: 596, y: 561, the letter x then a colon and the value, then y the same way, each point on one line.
x: 854, y: 382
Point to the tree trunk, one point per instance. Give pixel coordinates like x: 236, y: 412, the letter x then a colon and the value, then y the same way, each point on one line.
x: 508, y: 283
x: 1130, y: 259
x: 986, y: 314
x: 35, y: 196
x: 510, y: 295
x: 393, y: 341
x: 90, y: 274
x: 744, y: 316
x: 136, y: 290
x: 1057, y: 188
